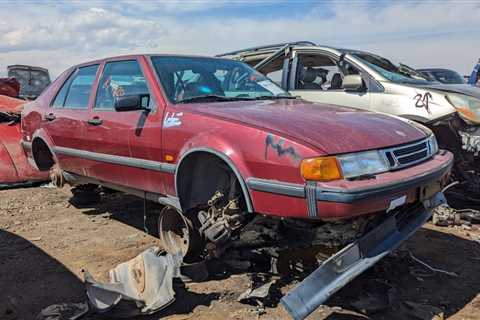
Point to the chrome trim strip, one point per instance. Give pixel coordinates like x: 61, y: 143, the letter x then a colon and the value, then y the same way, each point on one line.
x: 120, y: 160
x: 26, y: 145
x: 311, y: 194
x: 272, y: 186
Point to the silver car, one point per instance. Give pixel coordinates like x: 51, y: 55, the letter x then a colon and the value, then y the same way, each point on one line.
x: 364, y: 80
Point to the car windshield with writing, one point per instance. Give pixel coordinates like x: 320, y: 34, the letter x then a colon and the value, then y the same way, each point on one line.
x: 190, y: 80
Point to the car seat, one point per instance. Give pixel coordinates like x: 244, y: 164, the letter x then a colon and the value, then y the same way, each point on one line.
x: 336, y: 82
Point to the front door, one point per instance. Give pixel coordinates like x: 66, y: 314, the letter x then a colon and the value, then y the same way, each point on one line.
x: 318, y: 77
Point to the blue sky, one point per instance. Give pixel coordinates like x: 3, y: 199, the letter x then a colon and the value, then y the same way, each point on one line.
x: 58, y: 34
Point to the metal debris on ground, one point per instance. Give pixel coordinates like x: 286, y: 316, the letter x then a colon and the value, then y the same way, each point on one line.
x: 144, y: 283
x: 64, y: 311
x: 445, y: 216
x: 260, y: 292
x: 434, y: 270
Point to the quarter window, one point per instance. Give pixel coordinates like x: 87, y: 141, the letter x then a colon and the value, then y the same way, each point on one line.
x: 120, y: 78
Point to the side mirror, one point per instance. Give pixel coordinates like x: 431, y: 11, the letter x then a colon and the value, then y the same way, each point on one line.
x: 353, y: 82
x: 132, y: 102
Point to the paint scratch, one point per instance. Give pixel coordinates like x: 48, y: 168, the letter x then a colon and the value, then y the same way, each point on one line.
x: 280, y: 148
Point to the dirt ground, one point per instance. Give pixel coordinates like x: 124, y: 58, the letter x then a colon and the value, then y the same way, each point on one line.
x: 46, y: 242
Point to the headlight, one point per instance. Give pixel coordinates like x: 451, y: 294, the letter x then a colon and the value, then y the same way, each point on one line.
x: 433, y: 145
x: 343, y: 166
x: 468, y: 107
x: 359, y: 164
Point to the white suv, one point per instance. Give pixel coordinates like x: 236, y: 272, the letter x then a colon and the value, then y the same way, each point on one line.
x: 364, y: 80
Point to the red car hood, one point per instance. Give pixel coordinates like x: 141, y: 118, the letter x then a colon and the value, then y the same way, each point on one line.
x: 332, y: 129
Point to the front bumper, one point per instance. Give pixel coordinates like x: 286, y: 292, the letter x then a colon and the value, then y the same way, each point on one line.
x: 343, y: 199
x: 357, y: 257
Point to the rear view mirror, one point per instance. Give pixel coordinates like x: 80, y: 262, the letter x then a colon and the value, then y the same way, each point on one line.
x: 353, y: 82
x: 132, y: 102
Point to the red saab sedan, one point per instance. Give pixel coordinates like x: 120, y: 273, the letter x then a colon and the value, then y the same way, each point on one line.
x: 219, y: 143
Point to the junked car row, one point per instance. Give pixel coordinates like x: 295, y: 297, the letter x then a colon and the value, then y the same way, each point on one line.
x: 219, y: 143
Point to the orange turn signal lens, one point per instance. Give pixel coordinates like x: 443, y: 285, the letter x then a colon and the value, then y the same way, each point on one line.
x: 321, y: 169
x: 467, y: 114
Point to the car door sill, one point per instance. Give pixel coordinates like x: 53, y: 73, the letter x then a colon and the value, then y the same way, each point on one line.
x: 162, y: 199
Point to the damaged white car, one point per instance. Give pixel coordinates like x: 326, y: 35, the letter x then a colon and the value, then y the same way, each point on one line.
x: 368, y: 81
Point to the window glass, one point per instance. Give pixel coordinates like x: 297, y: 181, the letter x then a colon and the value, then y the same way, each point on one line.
x: 120, y: 78
x: 276, y: 76
x: 319, y: 72
x: 62, y: 94
x: 186, y: 78
x: 447, y: 76
x: 390, y: 71
x: 81, y: 87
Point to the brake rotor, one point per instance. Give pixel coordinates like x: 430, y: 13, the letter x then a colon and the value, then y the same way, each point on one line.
x: 178, y: 235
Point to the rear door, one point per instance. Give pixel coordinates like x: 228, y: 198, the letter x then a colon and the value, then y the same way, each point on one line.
x: 126, y: 145
x: 65, y: 120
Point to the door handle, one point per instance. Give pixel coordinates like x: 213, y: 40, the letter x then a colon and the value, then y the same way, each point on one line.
x: 50, y: 117
x: 95, y: 121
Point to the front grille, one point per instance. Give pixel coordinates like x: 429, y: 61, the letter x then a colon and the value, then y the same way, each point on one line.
x: 407, y: 155
x: 410, y: 149
x: 412, y: 157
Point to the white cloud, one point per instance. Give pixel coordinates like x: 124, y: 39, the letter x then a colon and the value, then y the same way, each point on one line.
x: 431, y: 33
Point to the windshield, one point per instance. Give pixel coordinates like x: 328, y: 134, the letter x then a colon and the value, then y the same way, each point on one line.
x: 188, y: 79
x: 445, y: 76
x: 390, y: 71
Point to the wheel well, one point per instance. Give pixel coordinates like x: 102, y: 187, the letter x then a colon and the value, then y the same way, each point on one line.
x: 200, y: 175
x: 41, y: 155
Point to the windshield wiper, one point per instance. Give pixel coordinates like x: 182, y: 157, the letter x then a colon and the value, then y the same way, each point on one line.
x: 274, y: 97
x: 212, y: 98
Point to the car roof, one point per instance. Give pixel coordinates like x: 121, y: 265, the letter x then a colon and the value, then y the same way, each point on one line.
x: 299, y: 45
x: 135, y: 56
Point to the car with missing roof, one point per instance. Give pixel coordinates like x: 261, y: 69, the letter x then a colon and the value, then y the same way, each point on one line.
x: 218, y: 143
x: 368, y: 81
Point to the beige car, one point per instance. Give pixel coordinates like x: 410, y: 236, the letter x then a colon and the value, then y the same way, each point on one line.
x: 368, y: 81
